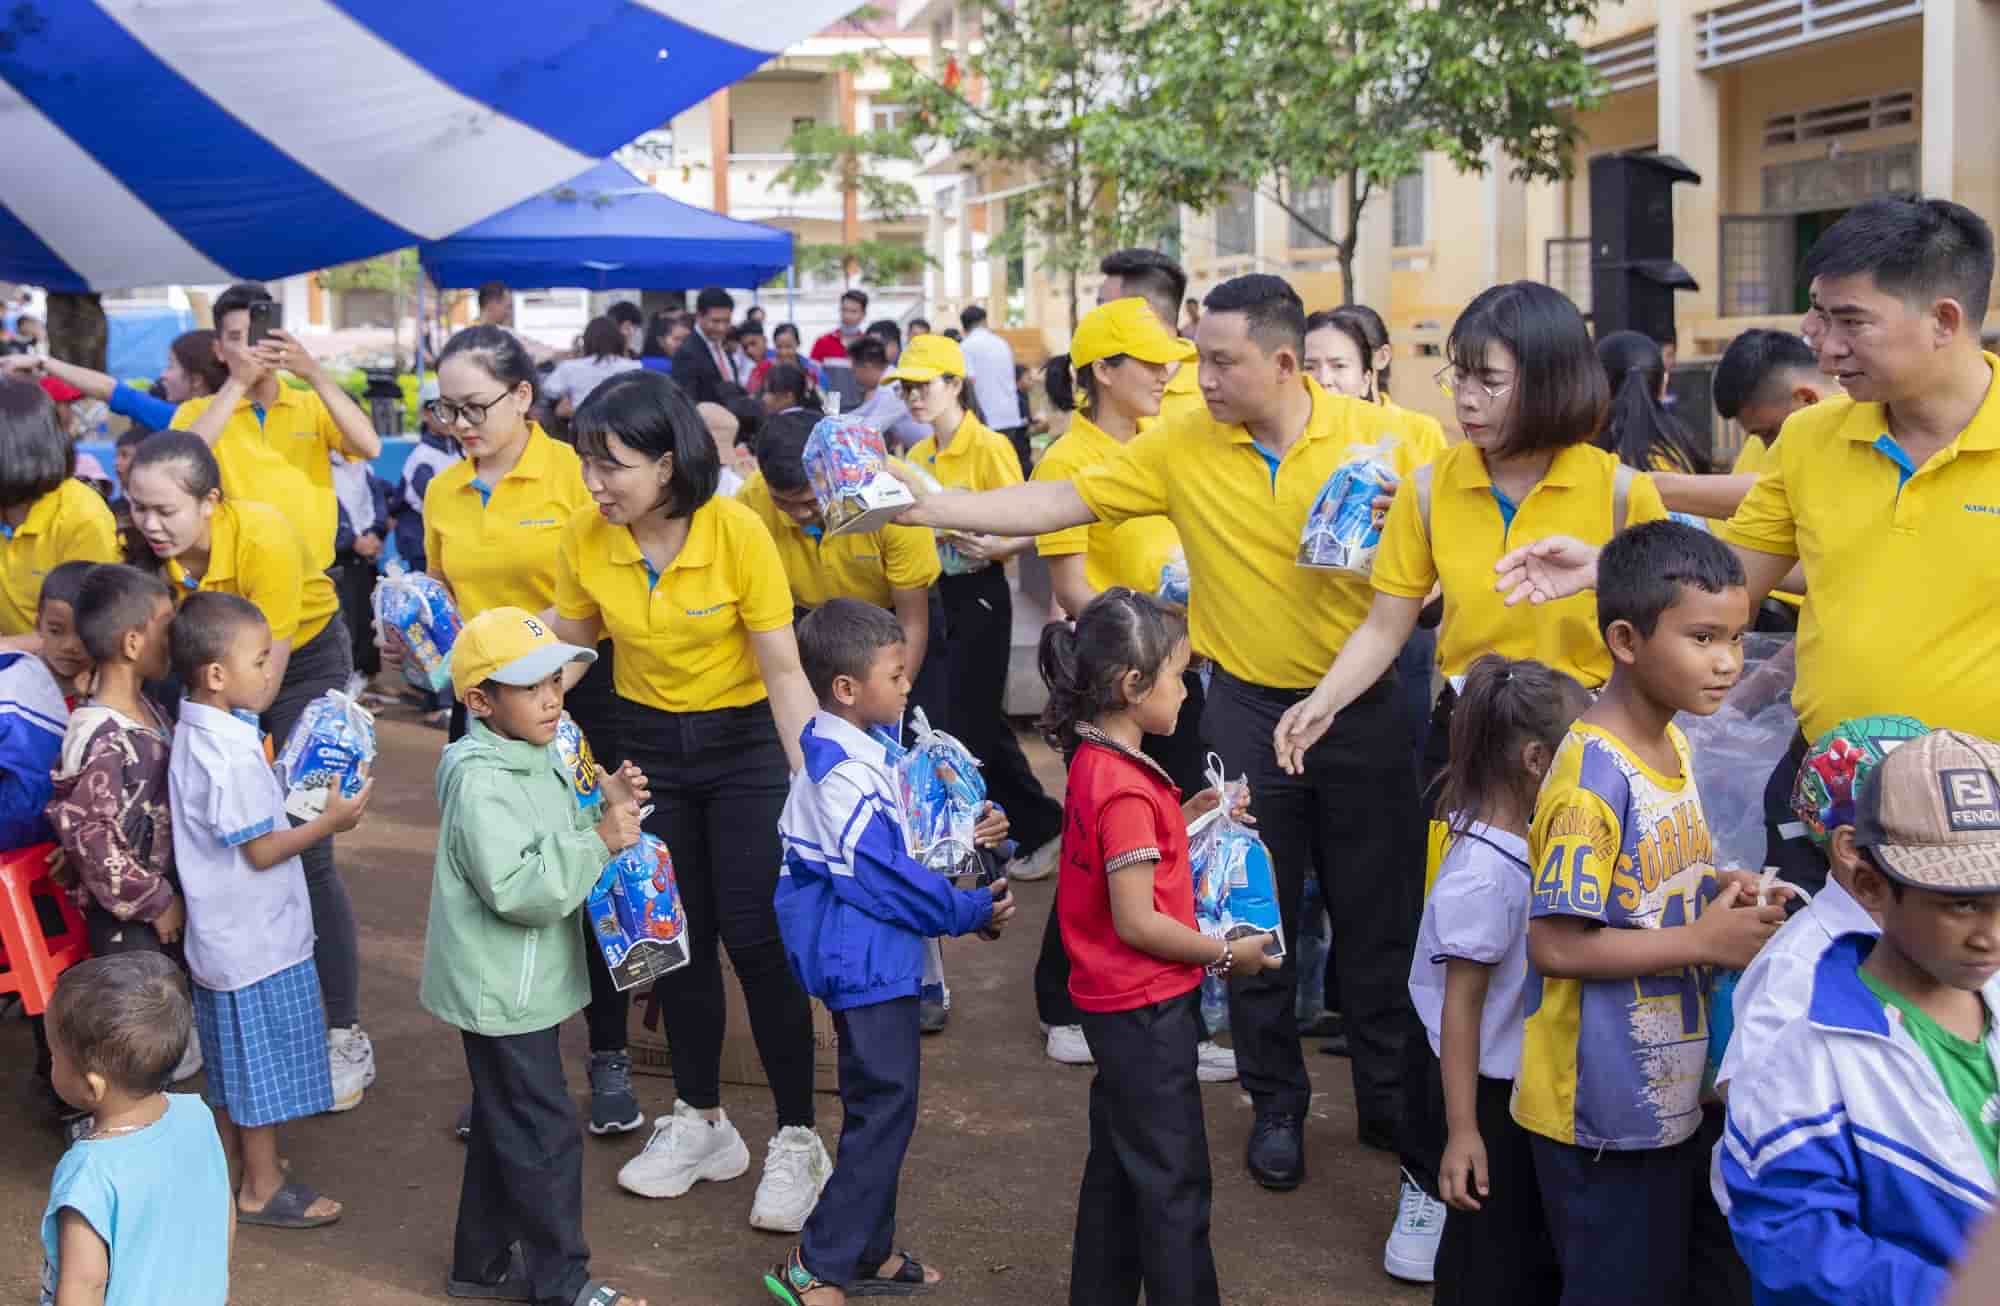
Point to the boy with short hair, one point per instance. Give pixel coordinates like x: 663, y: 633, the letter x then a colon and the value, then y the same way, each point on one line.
x: 55, y: 621
x: 855, y: 909
x: 1861, y: 1146
x: 139, y: 1210
x: 504, y: 963
x: 1628, y: 918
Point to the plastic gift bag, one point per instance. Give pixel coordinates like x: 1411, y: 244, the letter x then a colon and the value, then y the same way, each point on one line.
x: 586, y: 781
x: 1173, y: 586
x: 941, y: 790
x: 1235, y: 892
x: 848, y: 467
x: 1341, y: 532
x: 1736, y: 749
x: 636, y: 916
x: 332, y: 744
x: 419, y: 609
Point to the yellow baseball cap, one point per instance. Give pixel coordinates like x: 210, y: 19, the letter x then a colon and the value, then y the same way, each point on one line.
x: 927, y: 358
x: 512, y: 646
x: 1126, y: 326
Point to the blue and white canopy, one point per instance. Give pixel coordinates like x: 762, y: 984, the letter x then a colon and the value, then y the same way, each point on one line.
x: 155, y: 141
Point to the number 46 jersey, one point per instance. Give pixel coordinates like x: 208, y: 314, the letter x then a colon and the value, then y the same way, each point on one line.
x: 1617, y: 1064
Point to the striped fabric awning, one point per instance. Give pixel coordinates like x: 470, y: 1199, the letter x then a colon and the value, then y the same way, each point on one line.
x: 156, y: 141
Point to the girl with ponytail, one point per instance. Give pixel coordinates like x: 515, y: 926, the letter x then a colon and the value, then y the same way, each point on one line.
x: 1639, y: 429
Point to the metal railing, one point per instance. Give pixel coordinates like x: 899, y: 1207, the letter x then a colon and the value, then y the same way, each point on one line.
x: 1566, y: 266
x: 1759, y: 265
x: 1762, y: 27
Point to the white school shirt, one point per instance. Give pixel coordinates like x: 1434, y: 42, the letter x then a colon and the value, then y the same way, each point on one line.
x: 244, y: 925
x: 1777, y: 986
x: 1478, y: 911
x: 990, y: 359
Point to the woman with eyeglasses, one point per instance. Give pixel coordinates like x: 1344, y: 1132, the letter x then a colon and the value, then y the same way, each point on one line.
x: 1530, y: 395
x: 492, y: 525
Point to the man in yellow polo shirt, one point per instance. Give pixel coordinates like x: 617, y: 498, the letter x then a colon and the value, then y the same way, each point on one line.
x: 1889, y: 496
x: 259, y: 427
x: 1161, y: 282
x: 1238, y: 481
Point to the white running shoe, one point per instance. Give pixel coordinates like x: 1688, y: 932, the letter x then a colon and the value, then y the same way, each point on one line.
x: 1411, y: 1252
x: 1214, y: 1063
x: 351, y: 1058
x: 796, y: 1167
x: 684, y: 1149
x: 190, y: 1062
x: 1067, y: 1045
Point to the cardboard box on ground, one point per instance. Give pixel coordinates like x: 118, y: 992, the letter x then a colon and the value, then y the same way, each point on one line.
x: 648, y: 1035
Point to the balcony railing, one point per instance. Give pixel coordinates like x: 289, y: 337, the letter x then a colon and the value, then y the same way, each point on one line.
x: 1762, y: 27
x: 1628, y: 63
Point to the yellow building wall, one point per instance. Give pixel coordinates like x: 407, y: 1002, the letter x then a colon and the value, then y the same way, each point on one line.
x: 1623, y: 121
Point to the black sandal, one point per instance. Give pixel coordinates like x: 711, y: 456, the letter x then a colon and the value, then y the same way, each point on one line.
x: 599, y: 1293
x: 910, y: 1280
x: 789, y: 1280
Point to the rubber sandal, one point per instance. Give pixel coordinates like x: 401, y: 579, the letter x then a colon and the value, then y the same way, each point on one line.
x: 907, y: 1281
x: 789, y: 1280
x: 287, y: 1210
x: 599, y: 1293
x: 512, y: 1286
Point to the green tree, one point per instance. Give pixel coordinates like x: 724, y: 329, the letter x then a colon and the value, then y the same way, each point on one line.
x: 1279, y: 94
x: 850, y: 163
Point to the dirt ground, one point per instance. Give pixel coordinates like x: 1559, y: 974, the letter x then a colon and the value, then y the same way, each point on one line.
x: 988, y: 1191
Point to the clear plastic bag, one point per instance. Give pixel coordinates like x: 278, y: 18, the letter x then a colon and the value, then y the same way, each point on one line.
x: 636, y: 915
x: 848, y: 466
x: 1235, y: 892
x: 1342, y: 531
x: 1736, y: 749
x: 941, y: 791
x: 332, y: 744
x: 420, y: 610
x: 1173, y: 587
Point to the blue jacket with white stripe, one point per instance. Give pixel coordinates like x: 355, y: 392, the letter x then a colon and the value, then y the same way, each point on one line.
x: 853, y: 905
x: 1847, y: 1174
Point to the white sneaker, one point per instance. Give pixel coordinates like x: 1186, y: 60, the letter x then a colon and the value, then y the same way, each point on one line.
x: 1214, y: 1063
x: 796, y: 1167
x: 190, y: 1062
x: 1039, y: 865
x: 685, y: 1148
x: 1411, y: 1252
x: 1067, y: 1045
x: 351, y: 1058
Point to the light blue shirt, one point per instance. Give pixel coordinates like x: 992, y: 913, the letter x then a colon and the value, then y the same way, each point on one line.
x: 160, y: 1200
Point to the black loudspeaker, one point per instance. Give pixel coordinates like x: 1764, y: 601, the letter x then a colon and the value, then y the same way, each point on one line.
x: 1633, y: 275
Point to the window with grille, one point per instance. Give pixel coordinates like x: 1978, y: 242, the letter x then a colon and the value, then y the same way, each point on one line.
x: 1896, y: 109
x: 1759, y: 265
x: 1314, y: 203
x: 1566, y: 266
x: 889, y: 117
x: 1406, y: 211
x: 1236, y: 223
x: 1811, y: 185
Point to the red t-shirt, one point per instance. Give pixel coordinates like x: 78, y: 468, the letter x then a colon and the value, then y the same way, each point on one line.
x: 831, y: 348
x: 1116, y: 805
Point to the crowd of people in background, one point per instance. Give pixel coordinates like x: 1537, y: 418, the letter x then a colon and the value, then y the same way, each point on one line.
x: 1612, y: 1069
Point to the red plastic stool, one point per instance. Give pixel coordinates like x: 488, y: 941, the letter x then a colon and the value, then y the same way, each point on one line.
x: 30, y: 961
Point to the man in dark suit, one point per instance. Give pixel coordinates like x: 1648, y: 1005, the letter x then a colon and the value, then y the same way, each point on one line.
x: 701, y: 364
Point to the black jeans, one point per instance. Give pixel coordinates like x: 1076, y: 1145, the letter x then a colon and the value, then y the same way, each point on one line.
x: 1142, y: 1215
x: 323, y: 662
x: 719, y: 781
x: 979, y: 609
x: 354, y: 583
x: 853, y: 1228
x: 523, y: 1169
x: 1351, y: 822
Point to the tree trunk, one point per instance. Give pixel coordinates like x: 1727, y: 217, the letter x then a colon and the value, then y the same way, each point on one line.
x: 78, y: 331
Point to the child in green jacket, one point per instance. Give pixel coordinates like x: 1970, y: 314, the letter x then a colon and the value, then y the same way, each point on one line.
x: 504, y: 962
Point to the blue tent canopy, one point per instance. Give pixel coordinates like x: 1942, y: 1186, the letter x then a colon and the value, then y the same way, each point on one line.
x: 604, y: 230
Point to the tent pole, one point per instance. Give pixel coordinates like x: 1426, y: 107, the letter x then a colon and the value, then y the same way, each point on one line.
x: 422, y: 336
x: 791, y: 311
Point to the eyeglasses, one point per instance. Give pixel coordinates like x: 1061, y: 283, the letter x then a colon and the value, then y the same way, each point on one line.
x: 1449, y: 379
x: 446, y: 412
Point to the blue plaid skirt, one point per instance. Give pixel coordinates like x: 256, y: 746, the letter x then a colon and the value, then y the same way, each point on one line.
x: 265, y: 1048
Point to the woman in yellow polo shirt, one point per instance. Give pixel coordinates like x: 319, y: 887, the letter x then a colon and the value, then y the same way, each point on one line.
x: 963, y: 453
x: 206, y: 542
x: 692, y: 593
x: 47, y: 516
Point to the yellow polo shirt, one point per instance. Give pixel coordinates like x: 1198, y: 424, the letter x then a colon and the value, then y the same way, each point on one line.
x: 1239, y: 511
x: 1574, y: 497
x: 254, y: 553
x: 1433, y: 430
x: 1183, y: 394
x: 1751, y: 460
x: 683, y: 636
x: 70, y: 523
x: 869, y: 566
x: 978, y: 458
x: 269, y: 459
x: 1129, y: 553
x: 500, y: 550
x: 1902, y: 564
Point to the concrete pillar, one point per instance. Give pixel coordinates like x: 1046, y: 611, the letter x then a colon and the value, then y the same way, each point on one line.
x: 1506, y: 232
x: 1961, y: 50
x: 1690, y: 121
x: 1373, y: 263
x: 718, y: 148
x: 850, y: 202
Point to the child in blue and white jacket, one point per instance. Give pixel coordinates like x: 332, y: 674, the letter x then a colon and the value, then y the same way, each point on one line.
x: 855, y: 908
x: 1863, y: 1142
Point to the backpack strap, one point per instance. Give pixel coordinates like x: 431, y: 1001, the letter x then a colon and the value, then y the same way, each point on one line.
x: 1421, y: 483
x: 1621, y: 494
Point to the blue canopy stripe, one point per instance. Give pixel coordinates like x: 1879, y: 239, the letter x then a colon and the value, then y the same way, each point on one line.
x: 197, y: 141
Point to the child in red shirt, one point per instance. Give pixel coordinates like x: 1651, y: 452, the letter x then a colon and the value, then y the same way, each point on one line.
x: 1125, y: 901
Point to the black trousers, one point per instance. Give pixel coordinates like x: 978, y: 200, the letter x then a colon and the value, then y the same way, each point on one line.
x: 932, y: 689
x: 719, y: 781
x: 1501, y: 1254
x: 1640, y: 1228
x: 853, y: 1228
x: 324, y: 662
x: 1351, y: 822
x: 1142, y: 1215
x: 523, y: 1168
x: 979, y: 609
x: 354, y: 583
x: 593, y: 704
x: 1798, y: 859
